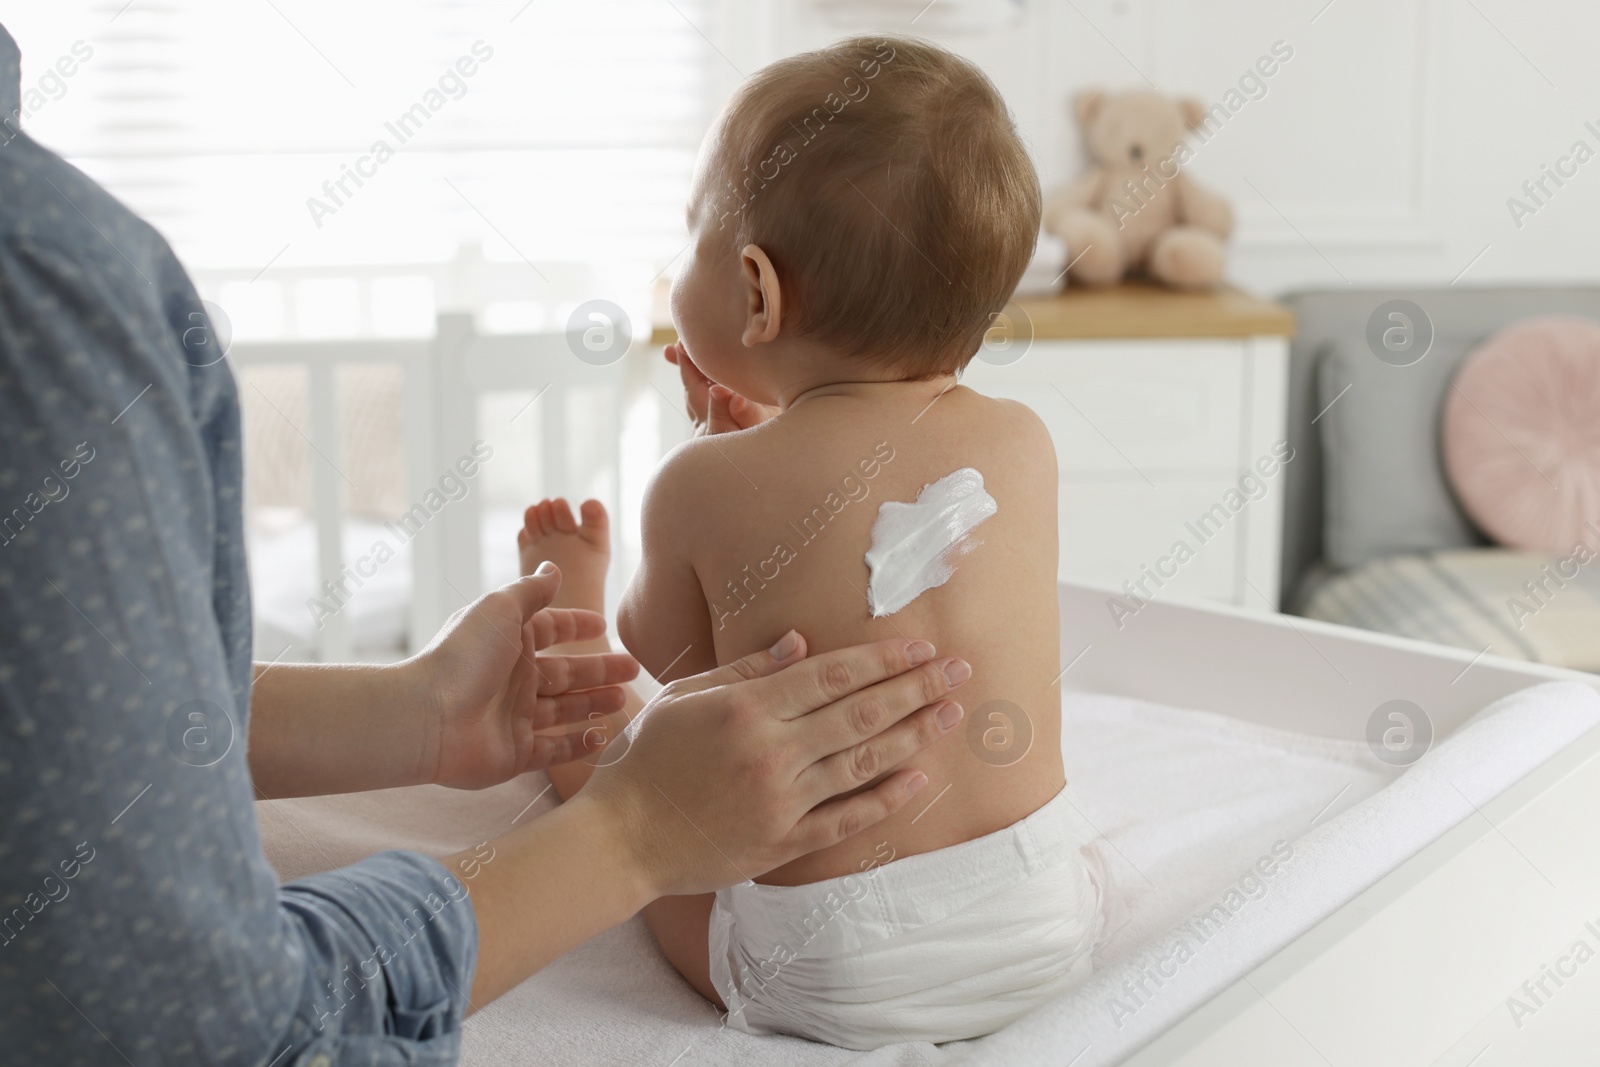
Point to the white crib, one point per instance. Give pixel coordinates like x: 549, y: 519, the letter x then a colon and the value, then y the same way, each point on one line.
x: 582, y: 414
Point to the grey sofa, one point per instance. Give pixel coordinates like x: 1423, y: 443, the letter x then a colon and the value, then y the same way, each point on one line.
x: 1373, y: 536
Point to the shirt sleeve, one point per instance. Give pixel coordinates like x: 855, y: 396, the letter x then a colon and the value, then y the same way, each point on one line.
x: 139, y: 919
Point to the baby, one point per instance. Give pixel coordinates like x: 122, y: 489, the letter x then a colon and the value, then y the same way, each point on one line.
x: 859, y: 214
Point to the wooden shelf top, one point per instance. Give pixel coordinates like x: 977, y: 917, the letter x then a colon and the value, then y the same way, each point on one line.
x: 1139, y: 309
x: 1134, y: 310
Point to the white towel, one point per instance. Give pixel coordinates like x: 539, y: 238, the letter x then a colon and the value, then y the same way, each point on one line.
x: 1190, y: 801
x: 1330, y: 865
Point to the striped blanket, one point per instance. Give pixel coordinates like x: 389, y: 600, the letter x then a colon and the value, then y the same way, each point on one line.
x: 1506, y: 602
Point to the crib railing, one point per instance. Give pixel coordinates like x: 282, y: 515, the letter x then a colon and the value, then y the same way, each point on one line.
x: 320, y: 361
x: 446, y: 377
x: 468, y: 365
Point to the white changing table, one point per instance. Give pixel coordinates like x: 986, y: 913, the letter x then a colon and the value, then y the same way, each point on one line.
x: 1413, y: 970
x: 1418, y: 968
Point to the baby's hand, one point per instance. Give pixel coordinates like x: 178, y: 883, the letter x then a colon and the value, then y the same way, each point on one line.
x: 714, y: 408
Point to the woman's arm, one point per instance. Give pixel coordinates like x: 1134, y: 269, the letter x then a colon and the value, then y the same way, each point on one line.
x: 142, y: 921
x: 305, y: 719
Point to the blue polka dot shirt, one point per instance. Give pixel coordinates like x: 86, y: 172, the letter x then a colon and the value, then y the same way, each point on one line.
x: 139, y: 920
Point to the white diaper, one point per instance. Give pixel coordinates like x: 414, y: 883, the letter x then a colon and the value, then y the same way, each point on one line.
x: 942, y: 946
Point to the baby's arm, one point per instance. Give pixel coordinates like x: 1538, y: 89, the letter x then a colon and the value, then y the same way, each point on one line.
x: 662, y: 605
x: 663, y: 619
x: 665, y: 623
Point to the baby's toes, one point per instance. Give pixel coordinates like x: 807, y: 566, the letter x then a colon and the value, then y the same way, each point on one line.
x: 538, y: 521
x: 561, y: 512
x: 550, y: 515
x: 596, y: 529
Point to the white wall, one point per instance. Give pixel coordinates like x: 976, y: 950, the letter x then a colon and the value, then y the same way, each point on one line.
x: 1383, y: 151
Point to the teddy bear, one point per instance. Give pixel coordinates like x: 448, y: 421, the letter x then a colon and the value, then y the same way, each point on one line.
x: 1135, y: 210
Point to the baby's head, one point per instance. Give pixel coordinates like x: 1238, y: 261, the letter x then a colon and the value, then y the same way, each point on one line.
x: 869, y: 203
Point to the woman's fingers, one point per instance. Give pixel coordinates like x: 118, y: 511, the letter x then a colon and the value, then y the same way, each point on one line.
x: 531, y: 593
x: 576, y: 707
x: 789, y: 649
x: 564, y: 674
x: 821, y: 681
x: 557, y: 626
x: 854, y: 767
x: 868, y: 711
x: 828, y: 824
x: 736, y: 765
x: 547, y: 750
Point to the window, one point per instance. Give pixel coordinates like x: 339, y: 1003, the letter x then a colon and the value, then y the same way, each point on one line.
x: 474, y: 151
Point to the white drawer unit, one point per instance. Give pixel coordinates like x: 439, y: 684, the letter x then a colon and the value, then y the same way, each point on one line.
x: 1119, y: 407
x: 1171, y: 448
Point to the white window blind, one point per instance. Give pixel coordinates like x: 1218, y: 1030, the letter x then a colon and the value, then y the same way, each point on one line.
x: 362, y: 133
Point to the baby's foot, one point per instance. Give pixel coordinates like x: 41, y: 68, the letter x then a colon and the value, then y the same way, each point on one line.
x: 583, y: 552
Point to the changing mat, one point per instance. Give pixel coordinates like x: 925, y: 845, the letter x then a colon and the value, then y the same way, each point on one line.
x: 1225, y: 838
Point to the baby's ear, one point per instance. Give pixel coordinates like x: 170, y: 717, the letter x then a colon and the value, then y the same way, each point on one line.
x: 763, y: 297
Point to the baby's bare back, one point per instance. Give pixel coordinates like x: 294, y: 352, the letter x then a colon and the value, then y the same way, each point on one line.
x: 781, y: 542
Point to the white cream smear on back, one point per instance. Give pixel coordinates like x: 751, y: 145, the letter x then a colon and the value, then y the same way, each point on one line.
x: 914, y: 546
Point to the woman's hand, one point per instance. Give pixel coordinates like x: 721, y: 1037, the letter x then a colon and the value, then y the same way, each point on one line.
x: 729, y: 774
x: 714, y: 408
x: 489, y: 690
x: 739, y: 770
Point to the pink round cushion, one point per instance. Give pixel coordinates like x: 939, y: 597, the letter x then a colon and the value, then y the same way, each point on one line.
x: 1521, y: 434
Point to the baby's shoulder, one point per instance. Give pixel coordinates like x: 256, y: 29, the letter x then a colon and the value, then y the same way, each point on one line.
x: 710, y: 476
x: 682, y: 476
x: 1007, y: 430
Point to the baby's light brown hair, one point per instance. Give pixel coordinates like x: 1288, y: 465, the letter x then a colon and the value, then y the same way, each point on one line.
x: 885, y: 179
